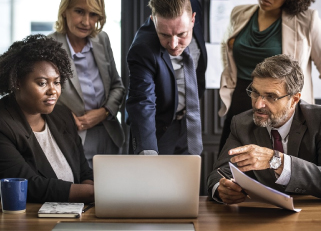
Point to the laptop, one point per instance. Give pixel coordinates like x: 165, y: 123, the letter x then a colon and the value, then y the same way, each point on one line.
x: 86, y: 226
x: 139, y: 186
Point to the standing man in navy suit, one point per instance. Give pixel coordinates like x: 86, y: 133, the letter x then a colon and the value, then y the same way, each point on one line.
x: 156, y: 102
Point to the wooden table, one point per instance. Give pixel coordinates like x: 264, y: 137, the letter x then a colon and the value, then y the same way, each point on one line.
x: 212, y: 216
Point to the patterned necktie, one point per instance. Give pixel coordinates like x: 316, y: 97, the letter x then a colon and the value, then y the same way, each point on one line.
x: 193, y: 118
x: 277, y: 140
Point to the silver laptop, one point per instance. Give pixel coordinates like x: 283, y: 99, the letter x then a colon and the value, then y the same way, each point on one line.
x: 85, y: 226
x: 138, y: 186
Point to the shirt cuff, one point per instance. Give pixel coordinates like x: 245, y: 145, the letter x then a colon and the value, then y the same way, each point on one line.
x: 148, y: 152
x: 285, y: 176
x: 213, y: 192
x: 110, y: 114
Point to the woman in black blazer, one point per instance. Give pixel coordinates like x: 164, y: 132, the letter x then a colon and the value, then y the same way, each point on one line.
x: 39, y: 139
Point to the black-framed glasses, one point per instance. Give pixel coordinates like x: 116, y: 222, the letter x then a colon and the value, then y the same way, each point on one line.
x: 268, y: 98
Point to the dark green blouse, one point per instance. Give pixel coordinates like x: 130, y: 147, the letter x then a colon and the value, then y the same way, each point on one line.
x: 252, y: 46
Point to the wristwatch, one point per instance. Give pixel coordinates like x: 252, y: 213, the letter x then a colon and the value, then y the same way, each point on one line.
x: 275, y: 161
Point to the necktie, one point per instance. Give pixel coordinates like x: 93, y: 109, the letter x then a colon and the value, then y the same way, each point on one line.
x: 277, y: 140
x: 193, y: 118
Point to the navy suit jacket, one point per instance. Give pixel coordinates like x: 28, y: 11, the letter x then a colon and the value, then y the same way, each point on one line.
x: 22, y: 157
x: 152, y: 97
x: 304, y: 148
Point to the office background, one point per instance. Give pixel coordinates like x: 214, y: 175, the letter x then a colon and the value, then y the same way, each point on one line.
x: 19, y: 18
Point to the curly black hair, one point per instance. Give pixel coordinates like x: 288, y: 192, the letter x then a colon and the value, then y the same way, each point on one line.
x: 19, y: 60
x: 294, y: 7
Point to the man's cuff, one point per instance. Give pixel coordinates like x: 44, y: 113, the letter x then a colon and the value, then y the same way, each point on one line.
x: 148, y: 152
x: 213, y: 193
x: 285, y: 176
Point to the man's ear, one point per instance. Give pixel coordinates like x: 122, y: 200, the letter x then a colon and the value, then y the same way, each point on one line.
x: 295, y: 99
x: 151, y: 17
x: 193, y: 17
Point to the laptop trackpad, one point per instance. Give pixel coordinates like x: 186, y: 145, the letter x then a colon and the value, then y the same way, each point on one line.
x: 82, y: 226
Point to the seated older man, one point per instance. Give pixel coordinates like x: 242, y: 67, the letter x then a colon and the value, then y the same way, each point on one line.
x: 278, y: 143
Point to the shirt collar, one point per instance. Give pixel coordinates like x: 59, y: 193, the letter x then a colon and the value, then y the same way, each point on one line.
x: 86, y: 48
x: 284, y: 129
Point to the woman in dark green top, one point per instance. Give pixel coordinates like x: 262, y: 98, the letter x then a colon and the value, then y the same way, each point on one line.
x: 259, y: 38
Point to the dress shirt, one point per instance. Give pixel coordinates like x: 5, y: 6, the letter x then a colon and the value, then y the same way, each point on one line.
x: 285, y: 176
x: 284, y: 130
x: 89, y: 77
x: 177, y: 63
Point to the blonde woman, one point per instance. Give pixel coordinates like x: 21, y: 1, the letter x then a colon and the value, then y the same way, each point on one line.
x: 95, y: 93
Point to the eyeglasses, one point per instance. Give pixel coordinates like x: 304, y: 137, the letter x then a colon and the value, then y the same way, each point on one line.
x: 268, y: 98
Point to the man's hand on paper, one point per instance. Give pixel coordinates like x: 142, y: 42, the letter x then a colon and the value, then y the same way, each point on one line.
x: 251, y: 157
x: 229, y: 192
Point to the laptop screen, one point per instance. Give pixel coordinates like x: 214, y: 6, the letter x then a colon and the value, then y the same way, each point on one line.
x: 137, y: 186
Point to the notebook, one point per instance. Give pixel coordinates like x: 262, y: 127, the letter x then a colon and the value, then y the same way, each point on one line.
x: 138, y: 186
x: 60, y: 209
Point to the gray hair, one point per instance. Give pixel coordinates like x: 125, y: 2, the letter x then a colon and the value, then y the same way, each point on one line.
x: 281, y: 67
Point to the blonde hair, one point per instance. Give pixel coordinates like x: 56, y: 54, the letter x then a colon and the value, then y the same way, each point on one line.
x: 95, y: 6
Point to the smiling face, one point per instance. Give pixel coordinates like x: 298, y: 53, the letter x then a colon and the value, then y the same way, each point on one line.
x: 272, y: 114
x: 39, y: 91
x: 175, y: 34
x: 80, y: 20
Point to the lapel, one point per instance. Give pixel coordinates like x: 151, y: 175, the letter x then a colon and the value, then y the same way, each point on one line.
x: 289, y: 35
x: 168, y: 62
x: 99, y: 52
x: 242, y: 20
x: 36, y: 157
x: 263, y: 140
x: 296, y: 133
x: 73, y: 81
x: 262, y: 137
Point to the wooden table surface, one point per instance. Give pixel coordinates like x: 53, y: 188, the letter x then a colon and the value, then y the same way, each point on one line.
x: 212, y: 216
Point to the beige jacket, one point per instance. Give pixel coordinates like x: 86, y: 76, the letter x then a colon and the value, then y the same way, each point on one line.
x: 300, y: 34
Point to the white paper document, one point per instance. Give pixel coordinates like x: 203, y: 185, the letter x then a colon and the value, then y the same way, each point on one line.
x: 261, y: 193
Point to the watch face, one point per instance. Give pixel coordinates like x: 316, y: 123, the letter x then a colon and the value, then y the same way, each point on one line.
x: 275, y: 163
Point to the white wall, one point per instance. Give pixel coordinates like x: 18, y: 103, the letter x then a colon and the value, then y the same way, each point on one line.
x: 4, y: 25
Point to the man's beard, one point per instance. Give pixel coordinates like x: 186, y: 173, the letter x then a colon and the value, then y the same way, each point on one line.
x: 273, y: 120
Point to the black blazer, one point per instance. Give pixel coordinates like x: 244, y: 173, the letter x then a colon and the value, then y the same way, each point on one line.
x: 152, y: 97
x: 304, y: 148
x: 22, y: 156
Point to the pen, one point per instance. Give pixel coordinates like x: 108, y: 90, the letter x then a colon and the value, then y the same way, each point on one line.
x: 88, y: 207
x: 223, y: 174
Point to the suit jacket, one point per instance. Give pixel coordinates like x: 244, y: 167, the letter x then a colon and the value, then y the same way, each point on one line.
x: 21, y: 155
x: 301, y: 37
x: 72, y: 96
x: 304, y: 148
x: 153, y: 97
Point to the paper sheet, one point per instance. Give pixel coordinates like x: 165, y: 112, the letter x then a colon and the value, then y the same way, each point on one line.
x: 261, y: 193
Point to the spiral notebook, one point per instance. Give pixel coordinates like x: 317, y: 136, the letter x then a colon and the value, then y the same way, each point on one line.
x: 60, y: 209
